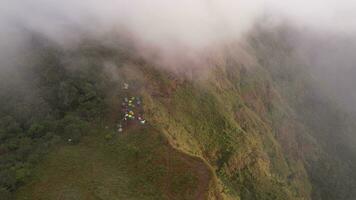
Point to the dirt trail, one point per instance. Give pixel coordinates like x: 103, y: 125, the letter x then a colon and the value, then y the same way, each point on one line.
x: 202, y: 170
x: 196, y: 164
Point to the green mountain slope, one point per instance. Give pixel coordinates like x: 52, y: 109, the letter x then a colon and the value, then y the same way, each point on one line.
x: 249, y: 129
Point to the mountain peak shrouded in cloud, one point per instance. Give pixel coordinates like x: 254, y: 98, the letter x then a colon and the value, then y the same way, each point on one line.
x: 193, y: 24
x: 170, y: 32
x: 244, y: 99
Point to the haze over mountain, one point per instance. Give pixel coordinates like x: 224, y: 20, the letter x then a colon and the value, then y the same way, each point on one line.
x: 190, y: 99
x: 178, y: 28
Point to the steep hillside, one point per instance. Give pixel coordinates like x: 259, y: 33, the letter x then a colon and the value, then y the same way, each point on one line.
x: 221, y: 121
x: 243, y: 131
x: 325, y: 133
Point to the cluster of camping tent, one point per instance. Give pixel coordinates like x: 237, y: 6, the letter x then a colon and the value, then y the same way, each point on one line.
x: 132, y: 111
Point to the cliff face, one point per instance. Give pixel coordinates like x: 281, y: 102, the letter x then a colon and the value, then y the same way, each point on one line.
x: 255, y: 127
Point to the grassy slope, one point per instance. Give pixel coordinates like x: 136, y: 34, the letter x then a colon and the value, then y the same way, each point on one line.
x: 137, y: 166
x: 226, y: 124
x: 315, y: 123
x: 206, y: 140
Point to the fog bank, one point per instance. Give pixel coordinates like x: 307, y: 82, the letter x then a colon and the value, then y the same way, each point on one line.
x: 180, y: 30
